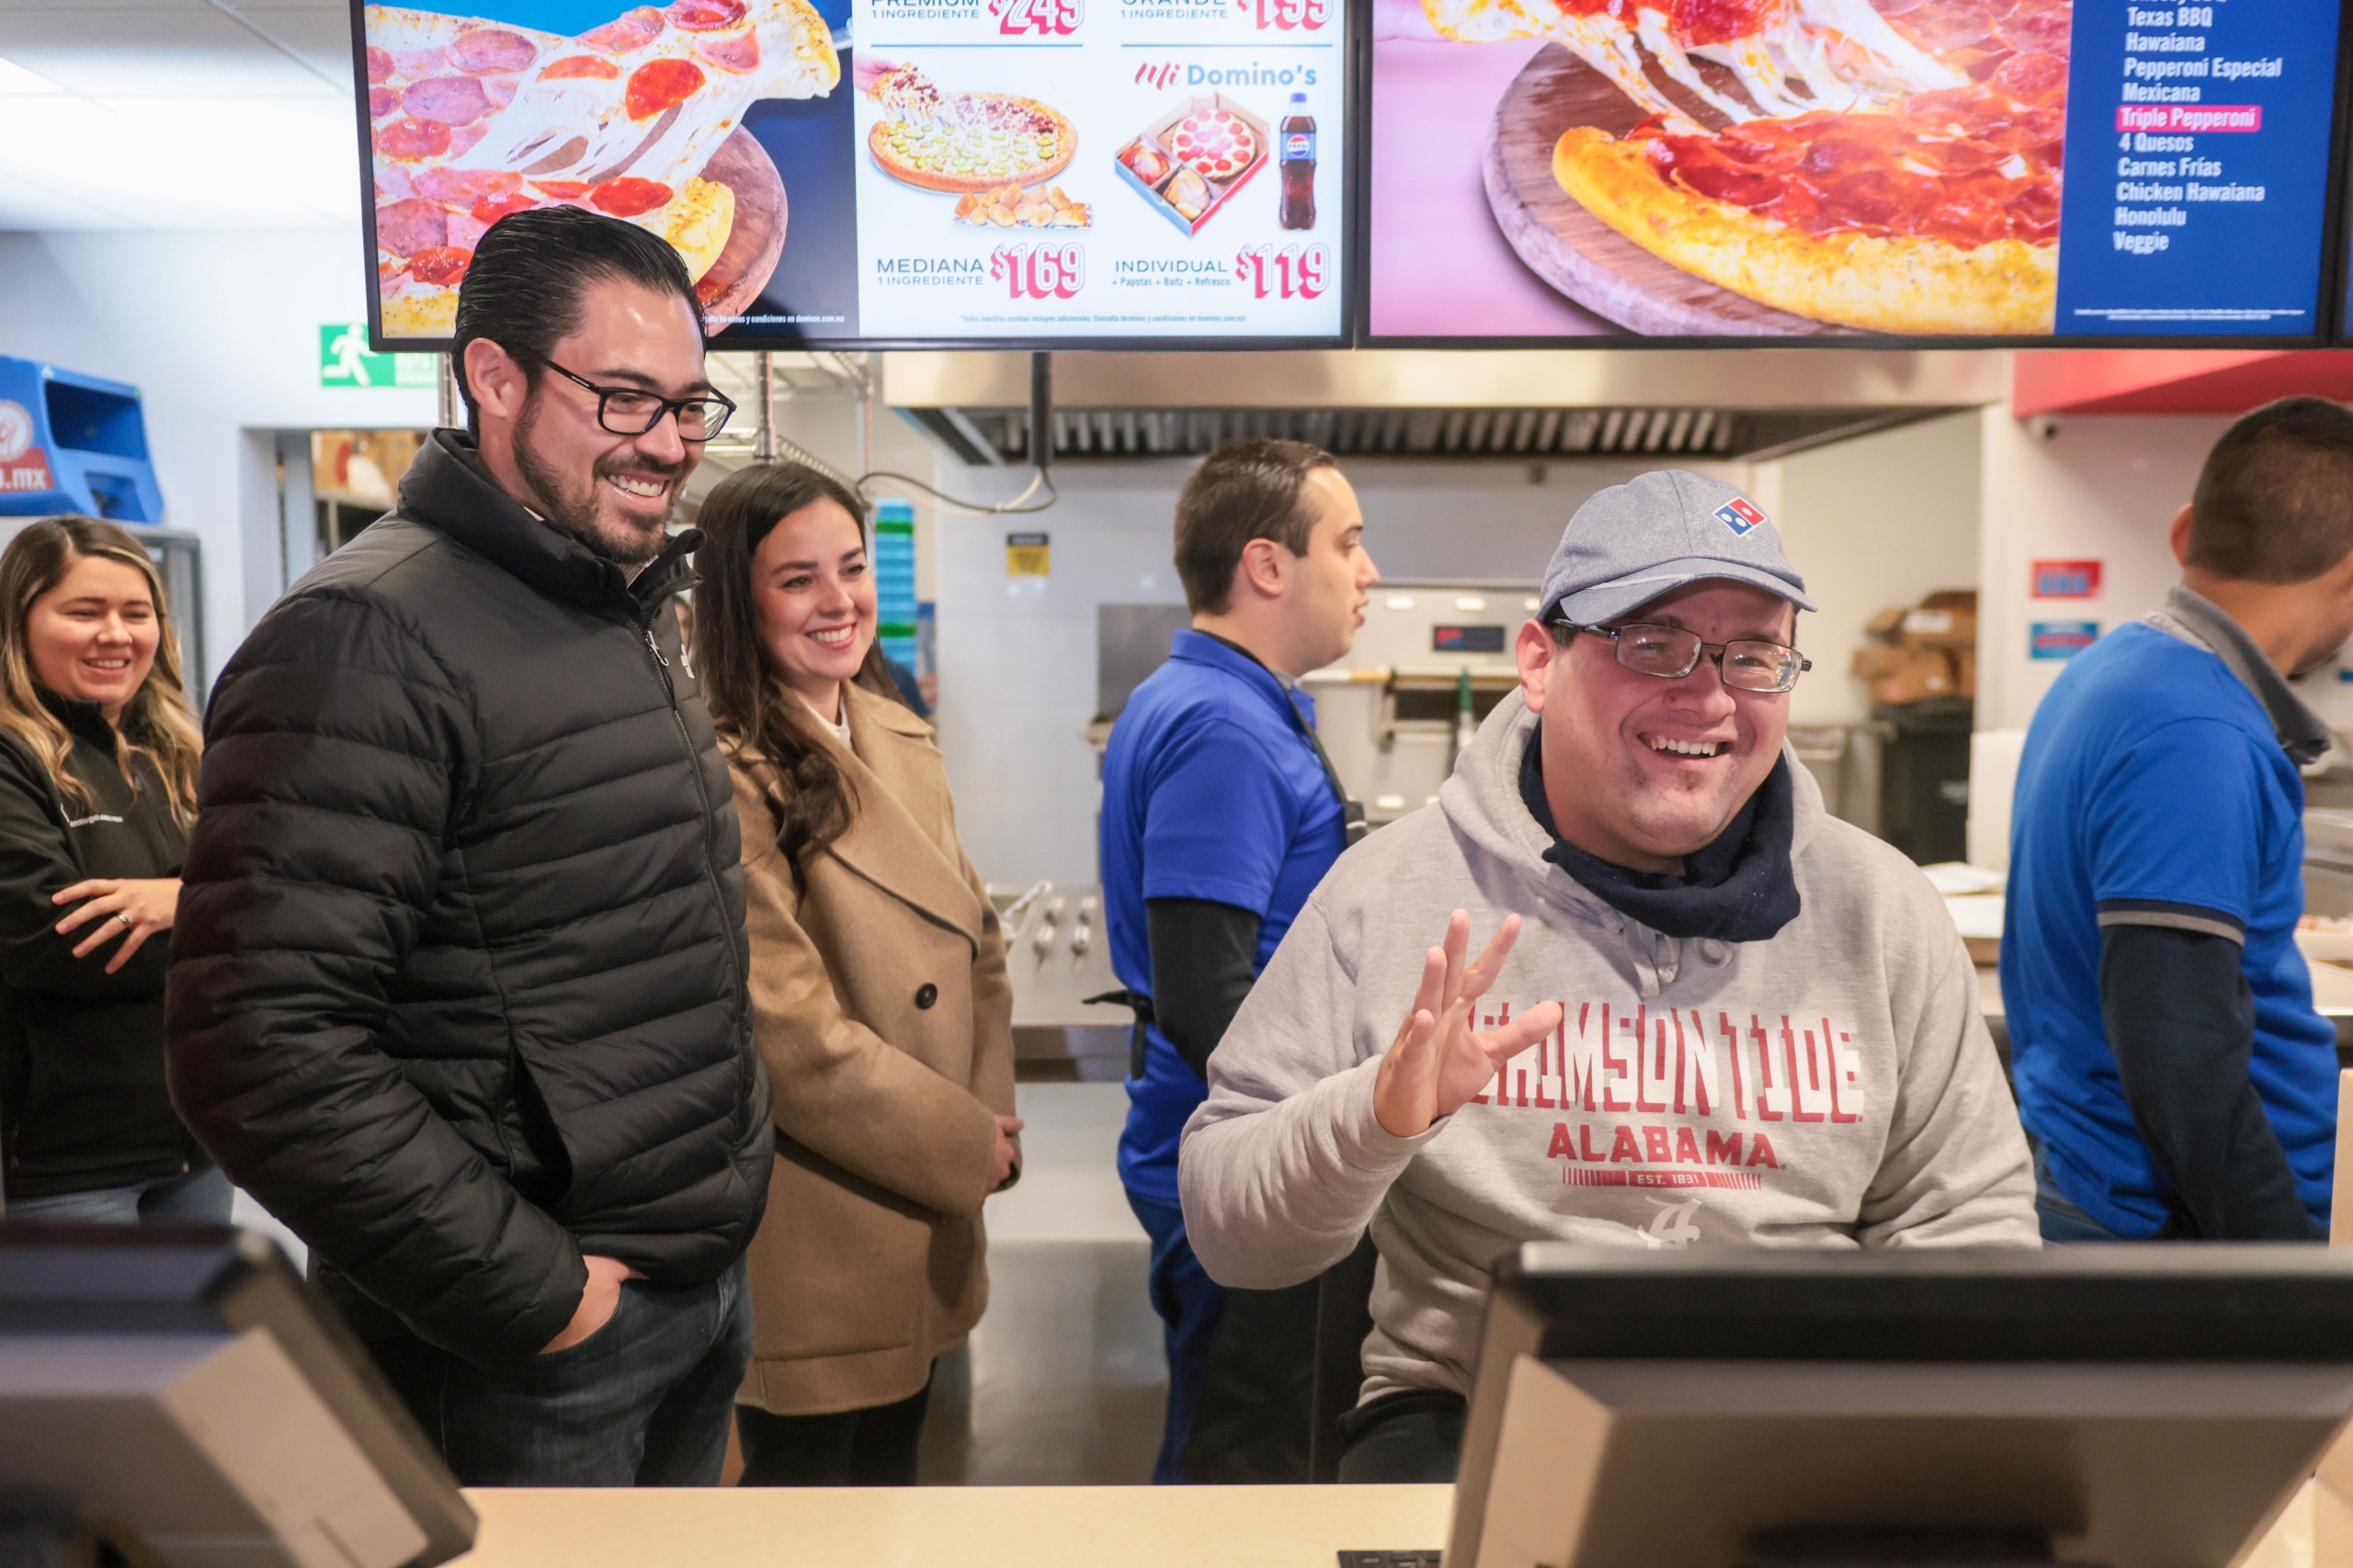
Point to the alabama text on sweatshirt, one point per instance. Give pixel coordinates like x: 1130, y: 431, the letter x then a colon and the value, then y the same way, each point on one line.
x: 1834, y: 1086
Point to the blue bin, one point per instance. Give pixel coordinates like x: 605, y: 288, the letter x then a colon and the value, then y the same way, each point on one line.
x: 72, y: 443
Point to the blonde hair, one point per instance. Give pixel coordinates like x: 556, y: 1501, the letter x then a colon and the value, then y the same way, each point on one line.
x: 156, y: 723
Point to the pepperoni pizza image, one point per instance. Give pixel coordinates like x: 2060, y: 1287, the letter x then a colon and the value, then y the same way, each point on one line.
x: 1217, y: 142
x: 472, y: 120
x: 1890, y: 166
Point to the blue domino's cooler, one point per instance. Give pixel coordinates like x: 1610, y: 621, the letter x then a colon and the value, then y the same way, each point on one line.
x: 72, y: 443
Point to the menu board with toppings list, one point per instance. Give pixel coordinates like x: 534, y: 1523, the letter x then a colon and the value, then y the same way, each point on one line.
x: 1826, y: 169
x: 884, y: 171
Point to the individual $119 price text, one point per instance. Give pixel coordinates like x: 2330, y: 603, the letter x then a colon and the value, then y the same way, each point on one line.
x: 1293, y: 272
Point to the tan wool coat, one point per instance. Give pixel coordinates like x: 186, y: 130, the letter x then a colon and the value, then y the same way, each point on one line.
x: 881, y: 1002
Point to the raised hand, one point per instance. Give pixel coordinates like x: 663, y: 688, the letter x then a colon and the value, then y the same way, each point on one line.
x: 1437, y: 1062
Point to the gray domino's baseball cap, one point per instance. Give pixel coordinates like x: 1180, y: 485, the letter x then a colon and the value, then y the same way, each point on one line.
x: 1632, y: 542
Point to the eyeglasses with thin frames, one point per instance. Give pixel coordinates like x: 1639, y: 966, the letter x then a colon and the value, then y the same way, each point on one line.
x: 1744, y: 664
x: 633, y: 411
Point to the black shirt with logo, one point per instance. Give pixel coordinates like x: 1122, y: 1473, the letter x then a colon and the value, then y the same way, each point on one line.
x: 83, y: 1101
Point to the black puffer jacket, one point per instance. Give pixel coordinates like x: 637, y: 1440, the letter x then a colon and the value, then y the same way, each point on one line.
x: 458, y: 987
x: 82, y: 1098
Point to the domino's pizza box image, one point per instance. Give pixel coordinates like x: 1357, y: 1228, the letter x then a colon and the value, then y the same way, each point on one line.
x: 1187, y: 164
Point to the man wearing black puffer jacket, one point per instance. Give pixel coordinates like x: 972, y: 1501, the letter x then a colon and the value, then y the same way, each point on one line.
x: 458, y: 986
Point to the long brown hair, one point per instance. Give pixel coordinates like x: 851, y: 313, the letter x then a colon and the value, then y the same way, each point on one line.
x: 156, y: 722
x: 748, y: 701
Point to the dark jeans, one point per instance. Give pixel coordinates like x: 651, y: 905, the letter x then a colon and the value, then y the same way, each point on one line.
x: 2063, y: 1221
x: 874, y: 1447
x: 1409, y: 1435
x: 199, y: 1198
x: 1257, y: 1400
x: 641, y: 1402
x: 1188, y: 1302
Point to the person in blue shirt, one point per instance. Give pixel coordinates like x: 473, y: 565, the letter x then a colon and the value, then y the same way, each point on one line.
x: 1220, y: 814
x: 2170, y: 1067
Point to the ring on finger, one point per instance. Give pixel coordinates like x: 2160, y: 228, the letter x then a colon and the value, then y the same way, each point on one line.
x: 124, y: 915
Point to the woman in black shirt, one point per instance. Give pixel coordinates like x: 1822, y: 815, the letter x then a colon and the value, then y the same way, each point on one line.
x: 98, y: 786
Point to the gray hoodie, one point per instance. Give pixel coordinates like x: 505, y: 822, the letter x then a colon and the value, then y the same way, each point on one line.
x: 1834, y: 1086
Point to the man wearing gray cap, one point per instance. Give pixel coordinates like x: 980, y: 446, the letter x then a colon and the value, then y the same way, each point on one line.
x: 1707, y: 1012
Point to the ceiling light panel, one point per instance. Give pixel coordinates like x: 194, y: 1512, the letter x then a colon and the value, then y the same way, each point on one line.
x: 24, y: 205
x: 16, y: 82
x: 187, y: 51
x: 198, y: 114
x: 186, y: 163
x: 319, y: 36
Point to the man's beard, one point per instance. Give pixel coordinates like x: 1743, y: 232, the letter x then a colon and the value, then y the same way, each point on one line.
x: 572, y: 509
x: 1684, y: 821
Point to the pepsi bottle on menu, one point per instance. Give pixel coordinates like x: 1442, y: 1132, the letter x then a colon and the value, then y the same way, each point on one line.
x: 1296, y: 137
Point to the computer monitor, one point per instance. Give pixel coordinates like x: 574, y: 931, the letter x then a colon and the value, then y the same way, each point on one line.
x: 177, y: 1394
x: 2125, y: 1406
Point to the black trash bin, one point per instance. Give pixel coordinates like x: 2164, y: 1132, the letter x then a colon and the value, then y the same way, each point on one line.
x: 1924, y: 777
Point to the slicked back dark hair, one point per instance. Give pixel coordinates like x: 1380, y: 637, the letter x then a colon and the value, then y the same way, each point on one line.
x: 2275, y: 501
x: 524, y: 287
x: 1242, y: 491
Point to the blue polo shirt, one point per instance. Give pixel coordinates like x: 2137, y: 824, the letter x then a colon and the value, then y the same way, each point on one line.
x: 1212, y: 789
x: 2154, y: 788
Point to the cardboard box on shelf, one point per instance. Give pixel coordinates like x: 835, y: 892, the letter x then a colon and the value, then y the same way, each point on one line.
x: 1917, y: 652
x: 1874, y: 660
x: 1925, y: 628
x: 1916, y: 675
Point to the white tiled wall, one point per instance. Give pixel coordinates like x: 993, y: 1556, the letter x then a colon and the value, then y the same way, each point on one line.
x: 1017, y: 659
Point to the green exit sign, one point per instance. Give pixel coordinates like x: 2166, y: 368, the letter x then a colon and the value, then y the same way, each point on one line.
x: 345, y: 361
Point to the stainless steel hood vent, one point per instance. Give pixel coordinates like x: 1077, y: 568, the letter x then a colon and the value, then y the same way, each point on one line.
x: 993, y: 436
x: 1520, y: 406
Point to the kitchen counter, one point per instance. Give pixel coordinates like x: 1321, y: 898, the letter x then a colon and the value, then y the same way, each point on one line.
x: 954, y: 1527
x: 1059, y: 1527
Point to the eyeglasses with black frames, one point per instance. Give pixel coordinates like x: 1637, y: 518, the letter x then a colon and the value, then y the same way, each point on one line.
x: 1746, y: 664
x: 633, y: 411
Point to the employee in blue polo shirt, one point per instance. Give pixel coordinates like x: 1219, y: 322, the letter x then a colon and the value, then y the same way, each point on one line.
x: 1219, y: 816
x: 2170, y: 1064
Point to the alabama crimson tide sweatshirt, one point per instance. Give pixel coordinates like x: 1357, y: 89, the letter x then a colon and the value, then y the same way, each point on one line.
x: 1834, y: 1086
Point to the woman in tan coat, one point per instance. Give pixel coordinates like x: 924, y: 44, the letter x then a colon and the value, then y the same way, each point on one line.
x: 879, y: 994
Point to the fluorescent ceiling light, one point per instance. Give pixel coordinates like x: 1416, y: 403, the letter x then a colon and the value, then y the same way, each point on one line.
x: 187, y: 163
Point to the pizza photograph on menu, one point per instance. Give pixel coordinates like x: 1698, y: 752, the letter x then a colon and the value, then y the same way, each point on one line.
x: 965, y: 142
x: 1765, y: 167
x: 1803, y: 170
x: 1732, y: 168
x: 640, y: 116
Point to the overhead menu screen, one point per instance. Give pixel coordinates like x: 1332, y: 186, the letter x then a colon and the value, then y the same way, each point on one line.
x: 1729, y: 169
x: 944, y: 172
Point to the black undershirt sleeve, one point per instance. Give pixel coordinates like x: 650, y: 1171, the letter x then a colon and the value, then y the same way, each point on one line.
x: 1203, y: 964
x: 2180, y: 1021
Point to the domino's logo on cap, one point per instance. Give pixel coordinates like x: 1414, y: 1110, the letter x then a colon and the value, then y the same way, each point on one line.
x: 1739, y: 515
x: 1632, y: 542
